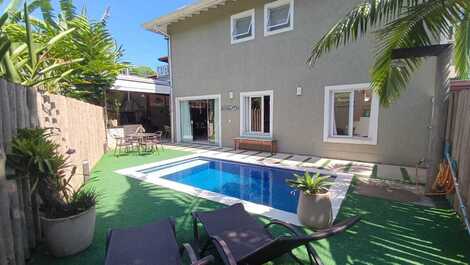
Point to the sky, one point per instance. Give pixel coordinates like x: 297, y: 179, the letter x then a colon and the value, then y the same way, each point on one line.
x: 141, y: 47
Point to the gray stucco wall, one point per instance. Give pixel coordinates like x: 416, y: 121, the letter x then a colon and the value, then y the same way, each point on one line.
x: 204, y: 62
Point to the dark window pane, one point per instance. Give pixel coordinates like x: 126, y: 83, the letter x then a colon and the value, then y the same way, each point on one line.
x: 267, y: 113
x: 256, y: 114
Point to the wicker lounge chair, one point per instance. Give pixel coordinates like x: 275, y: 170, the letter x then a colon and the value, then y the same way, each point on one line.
x: 240, y: 239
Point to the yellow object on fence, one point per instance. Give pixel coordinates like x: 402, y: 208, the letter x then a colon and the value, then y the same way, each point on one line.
x: 444, y: 183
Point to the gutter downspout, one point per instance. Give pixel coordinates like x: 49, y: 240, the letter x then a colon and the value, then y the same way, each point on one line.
x: 172, y: 102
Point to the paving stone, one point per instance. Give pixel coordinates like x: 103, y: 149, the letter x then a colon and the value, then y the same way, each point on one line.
x: 277, y: 158
x: 294, y: 160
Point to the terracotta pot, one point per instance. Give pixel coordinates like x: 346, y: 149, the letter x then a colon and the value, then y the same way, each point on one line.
x: 71, y: 235
x: 315, y: 211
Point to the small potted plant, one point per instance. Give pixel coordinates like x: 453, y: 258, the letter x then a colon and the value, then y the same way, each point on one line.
x: 314, y: 208
x: 67, y: 214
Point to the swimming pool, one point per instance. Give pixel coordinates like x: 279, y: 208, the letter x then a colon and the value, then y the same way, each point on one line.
x: 260, y: 186
x: 257, y: 184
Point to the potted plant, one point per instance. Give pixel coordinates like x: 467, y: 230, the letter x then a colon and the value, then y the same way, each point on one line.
x: 67, y: 214
x: 314, y: 208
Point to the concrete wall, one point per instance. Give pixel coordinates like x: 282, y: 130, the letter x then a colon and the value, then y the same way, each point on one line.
x: 204, y: 62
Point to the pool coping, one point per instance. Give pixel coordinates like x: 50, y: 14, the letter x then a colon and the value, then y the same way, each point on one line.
x: 337, y: 191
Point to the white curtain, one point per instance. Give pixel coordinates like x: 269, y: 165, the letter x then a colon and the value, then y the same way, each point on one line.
x: 333, y: 117
x: 216, y: 121
x: 185, y: 118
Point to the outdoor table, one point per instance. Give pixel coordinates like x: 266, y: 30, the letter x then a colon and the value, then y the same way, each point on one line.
x: 141, y: 137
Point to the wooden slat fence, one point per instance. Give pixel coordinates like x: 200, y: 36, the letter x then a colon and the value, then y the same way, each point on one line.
x: 81, y: 128
x: 459, y: 133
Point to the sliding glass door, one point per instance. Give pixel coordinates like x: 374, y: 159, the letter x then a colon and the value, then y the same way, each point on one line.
x: 199, y: 121
x: 186, y: 122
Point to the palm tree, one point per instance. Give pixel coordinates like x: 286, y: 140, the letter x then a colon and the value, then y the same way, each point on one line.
x: 401, y: 24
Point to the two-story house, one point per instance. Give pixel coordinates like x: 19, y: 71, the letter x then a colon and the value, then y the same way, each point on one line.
x: 238, y: 69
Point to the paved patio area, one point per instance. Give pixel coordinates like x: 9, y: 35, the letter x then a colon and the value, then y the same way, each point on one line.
x: 402, y: 174
x: 390, y: 232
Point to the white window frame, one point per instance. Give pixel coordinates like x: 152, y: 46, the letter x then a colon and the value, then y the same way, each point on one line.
x: 233, y: 18
x: 328, y: 118
x: 274, y: 5
x: 246, y: 132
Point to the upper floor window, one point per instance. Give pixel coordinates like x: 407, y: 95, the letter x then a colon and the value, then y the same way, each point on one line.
x: 278, y: 17
x: 351, y: 114
x: 242, y: 26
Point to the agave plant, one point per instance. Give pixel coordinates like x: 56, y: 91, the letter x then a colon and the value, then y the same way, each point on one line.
x: 401, y: 24
x: 35, y: 156
x: 310, y: 185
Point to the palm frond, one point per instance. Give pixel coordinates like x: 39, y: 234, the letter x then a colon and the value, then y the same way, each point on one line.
x: 417, y: 27
x: 10, y: 71
x: 29, y: 36
x: 13, y: 6
x: 462, y: 48
x: 68, y: 9
x: 46, y: 8
x: 358, y: 22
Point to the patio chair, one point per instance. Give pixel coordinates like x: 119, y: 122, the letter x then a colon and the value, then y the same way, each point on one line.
x: 158, y: 139
x: 240, y: 239
x: 153, y: 243
x: 166, y: 131
x: 151, y: 143
x: 122, y: 144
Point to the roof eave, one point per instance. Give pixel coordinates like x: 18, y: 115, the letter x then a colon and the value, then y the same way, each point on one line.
x: 160, y: 24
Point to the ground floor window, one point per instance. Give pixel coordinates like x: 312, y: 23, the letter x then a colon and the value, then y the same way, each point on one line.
x: 351, y: 114
x: 198, y: 120
x: 256, y: 110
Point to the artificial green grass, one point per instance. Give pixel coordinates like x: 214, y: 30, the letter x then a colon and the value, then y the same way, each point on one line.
x: 389, y: 233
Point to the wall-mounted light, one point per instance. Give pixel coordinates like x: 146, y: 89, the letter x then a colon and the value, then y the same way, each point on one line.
x: 299, y: 91
x: 230, y: 95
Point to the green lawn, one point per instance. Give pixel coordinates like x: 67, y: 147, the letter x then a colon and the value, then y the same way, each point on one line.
x: 389, y: 233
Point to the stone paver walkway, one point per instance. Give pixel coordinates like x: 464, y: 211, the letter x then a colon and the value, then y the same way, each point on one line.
x: 396, y: 173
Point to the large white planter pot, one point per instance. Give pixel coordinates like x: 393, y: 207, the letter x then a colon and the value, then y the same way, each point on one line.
x: 70, y: 235
x: 315, y: 211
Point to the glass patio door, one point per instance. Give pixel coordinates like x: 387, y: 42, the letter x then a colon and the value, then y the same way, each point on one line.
x: 186, y: 123
x: 213, y: 121
x: 199, y: 121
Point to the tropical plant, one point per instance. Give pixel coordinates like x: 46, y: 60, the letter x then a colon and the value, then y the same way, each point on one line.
x: 401, y: 24
x: 100, y: 67
x: 83, y: 62
x: 36, y: 156
x: 4, y: 41
x: 29, y: 62
x: 310, y: 185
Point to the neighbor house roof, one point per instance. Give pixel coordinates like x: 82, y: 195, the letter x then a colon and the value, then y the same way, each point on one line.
x: 139, y: 84
x: 160, y: 24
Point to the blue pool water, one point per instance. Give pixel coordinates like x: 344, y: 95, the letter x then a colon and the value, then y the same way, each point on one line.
x: 257, y: 184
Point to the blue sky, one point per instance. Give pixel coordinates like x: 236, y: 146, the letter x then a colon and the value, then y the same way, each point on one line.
x: 127, y: 16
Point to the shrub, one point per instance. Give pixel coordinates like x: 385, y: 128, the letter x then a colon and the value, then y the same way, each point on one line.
x: 35, y: 156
